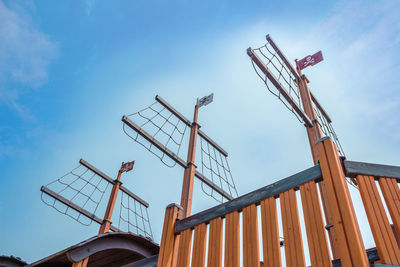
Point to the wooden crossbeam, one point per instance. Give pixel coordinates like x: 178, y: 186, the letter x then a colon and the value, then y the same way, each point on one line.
x: 111, y: 181
x: 354, y: 168
x: 279, y: 86
x: 255, y: 197
x: 75, y: 207
x: 173, y: 156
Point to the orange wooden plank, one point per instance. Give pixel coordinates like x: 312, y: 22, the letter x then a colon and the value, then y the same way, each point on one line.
x: 294, y: 252
x: 373, y: 221
x: 352, y: 230
x: 309, y: 222
x: 385, y: 224
x: 82, y: 263
x: 251, y: 251
x: 185, y: 248
x: 332, y: 171
x: 199, y: 245
x: 317, y: 241
x: 168, y: 239
x: 284, y: 212
x: 270, y: 233
x: 215, y: 243
x: 232, y: 239
x: 296, y: 227
x: 391, y: 194
x: 385, y: 240
x: 343, y: 246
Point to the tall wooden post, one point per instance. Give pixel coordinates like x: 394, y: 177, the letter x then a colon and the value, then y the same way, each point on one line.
x: 105, y: 226
x: 351, y: 250
x: 314, y: 134
x: 169, y: 241
x: 188, y: 176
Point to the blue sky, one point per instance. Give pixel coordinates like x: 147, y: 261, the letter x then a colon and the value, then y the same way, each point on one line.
x: 69, y: 70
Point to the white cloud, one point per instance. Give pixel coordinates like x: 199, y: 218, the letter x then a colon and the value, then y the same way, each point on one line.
x: 25, y: 56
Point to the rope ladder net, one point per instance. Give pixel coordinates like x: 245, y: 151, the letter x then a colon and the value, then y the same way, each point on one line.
x: 214, y: 165
x: 84, y: 189
x: 81, y: 187
x: 327, y: 129
x: 133, y: 217
x: 283, y: 75
x: 163, y: 126
x: 288, y: 81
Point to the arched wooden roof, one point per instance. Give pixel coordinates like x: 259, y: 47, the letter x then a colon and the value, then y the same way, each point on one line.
x: 110, y: 249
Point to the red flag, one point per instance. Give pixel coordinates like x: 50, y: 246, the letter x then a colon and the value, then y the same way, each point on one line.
x: 310, y: 60
x: 126, y: 167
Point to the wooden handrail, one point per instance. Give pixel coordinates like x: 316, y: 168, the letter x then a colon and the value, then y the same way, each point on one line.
x: 237, y: 204
x: 354, y: 168
x: 185, y: 241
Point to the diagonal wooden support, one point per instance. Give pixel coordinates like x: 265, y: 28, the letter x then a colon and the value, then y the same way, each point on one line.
x: 350, y: 245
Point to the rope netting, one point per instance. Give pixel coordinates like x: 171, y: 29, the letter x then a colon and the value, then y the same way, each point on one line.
x: 283, y: 75
x: 163, y: 126
x: 133, y: 217
x: 327, y: 129
x: 158, y: 129
x: 81, y: 187
x: 287, y: 79
x: 84, y: 189
x: 214, y: 165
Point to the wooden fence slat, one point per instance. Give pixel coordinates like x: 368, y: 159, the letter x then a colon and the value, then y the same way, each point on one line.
x: 317, y: 241
x: 372, y: 219
x: 232, y: 239
x: 385, y: 240
x: 251, y: 251
x: 184, y: 251
x: 350, y: 243
x: 82, y: 263
x: 391, y: 244
x: 294, y: 252
x: 391, y: 193
x: 255, y: 197
x: 199, y: 245
x: 215, y: 243
x: 168, y: 238
x: 270, y: 233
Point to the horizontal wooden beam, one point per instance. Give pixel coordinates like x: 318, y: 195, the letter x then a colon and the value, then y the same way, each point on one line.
x: 279, y: 87
x: 282, y: 56
x: 237, y: 204
x: 111, y: 181
x: 189, y: 123
x: 213, y: 185
x: 173, y: 110
x: 75, y: 207
x: 212, y: 143
x: 96, y: 171
x: 296, y: 75
x: 153, y: 141
x: 173, y: 156
x: 354, y: 168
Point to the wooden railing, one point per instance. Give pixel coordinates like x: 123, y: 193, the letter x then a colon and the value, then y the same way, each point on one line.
x: 218, y: 239
x: 366, y: 175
